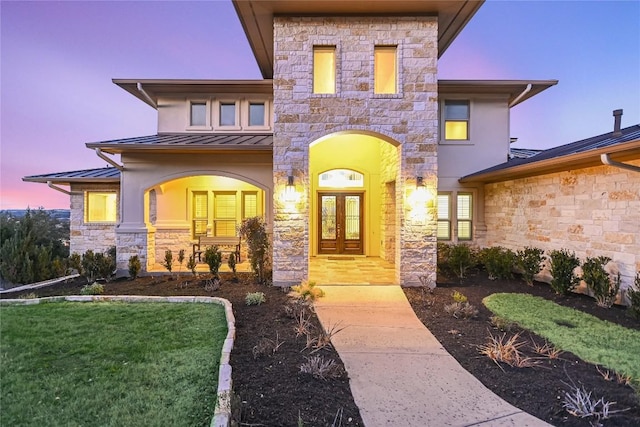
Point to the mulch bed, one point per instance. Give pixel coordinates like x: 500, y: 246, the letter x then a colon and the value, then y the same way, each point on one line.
x: 270, y: 389
x: 538, y: 390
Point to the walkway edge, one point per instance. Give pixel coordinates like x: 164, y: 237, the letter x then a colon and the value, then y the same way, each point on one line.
x: 222, y: 411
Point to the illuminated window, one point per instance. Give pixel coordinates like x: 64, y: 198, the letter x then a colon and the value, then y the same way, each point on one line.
x: 463, y: 210
x: 200, y: 213
x: 256, y: 114
x: 444, y: 217
x: 456, y: 120
x: 100, y: 207
x: 224, y: 213
x: 385, y: 71
x: 249, y: 204
x: 465, y: 214
x: 198, y: 114
x: 324, y: 69
x: 341, y: 178
x: 227, y: 114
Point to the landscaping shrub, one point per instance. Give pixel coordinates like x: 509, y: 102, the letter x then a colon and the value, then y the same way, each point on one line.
x: 604, y: 288
x: 231, y: 262
x: 89, y: 266
x: 213, y: 258
x: 134, y: 266
x: 105, y: 265
x: 459, y: 297
x: 168, y: 260
x: 461, y: 310
x: 180, y: 260
x: 529, y: 261
x: 254, y: 298
x: 461, y: 258
x: 92, y: 289
x: 634, y: 297
x: 75, y: 262
x: 498, y: 262
x: 306, y: 291
x: 192, y: 264
x: 254, y: 231
x: 444, y: 250
x: 563, y: 263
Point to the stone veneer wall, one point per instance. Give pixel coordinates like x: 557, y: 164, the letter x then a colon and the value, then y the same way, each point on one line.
x: 592, y: 211
x: 388, y: 172
x: 300, y: 118
x: 98, y: 237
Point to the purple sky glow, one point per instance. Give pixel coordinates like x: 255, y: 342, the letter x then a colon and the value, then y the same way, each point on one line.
x: 58, y: 59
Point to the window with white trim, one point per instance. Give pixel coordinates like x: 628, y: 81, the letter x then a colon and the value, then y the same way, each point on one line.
x: 100, y: 206
x: 227, y: 114
x: 200, y: 213
x: 198, y: 114
x: 257, y: 114
x: 455, y: 209
x: 456, y: 120
x: 249, y: 204
x: 224, y: 213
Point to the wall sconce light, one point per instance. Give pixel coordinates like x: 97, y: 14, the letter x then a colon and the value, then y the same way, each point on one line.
x: 290, y: 190
x: 421, y: 191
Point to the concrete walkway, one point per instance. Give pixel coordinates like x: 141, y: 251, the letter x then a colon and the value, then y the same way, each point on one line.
x: 400, y: 374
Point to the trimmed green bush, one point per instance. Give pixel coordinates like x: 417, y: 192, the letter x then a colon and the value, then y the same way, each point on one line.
x: 529, y: 261
x: 604, y: 288
x: 634, y: 297
x: 213, y: 258
x: 134, y: 266
x: 461, y: 258
x: 498, y: 262
x: 563, y: 263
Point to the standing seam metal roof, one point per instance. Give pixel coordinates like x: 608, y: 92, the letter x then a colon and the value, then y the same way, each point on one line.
x: 102, y: 174
x: 250, y: 141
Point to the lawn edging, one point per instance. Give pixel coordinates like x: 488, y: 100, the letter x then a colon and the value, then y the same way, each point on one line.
x: 222, y: 412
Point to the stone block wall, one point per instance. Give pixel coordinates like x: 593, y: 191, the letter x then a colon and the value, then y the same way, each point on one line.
x: 407, y: 119
x: 593, y: 212
x: 84, y: 236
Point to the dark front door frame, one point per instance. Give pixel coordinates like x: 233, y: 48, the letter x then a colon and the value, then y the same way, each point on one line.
x: 340, y: 244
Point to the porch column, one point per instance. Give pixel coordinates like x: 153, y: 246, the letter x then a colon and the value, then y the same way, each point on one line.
x: 131, y: 233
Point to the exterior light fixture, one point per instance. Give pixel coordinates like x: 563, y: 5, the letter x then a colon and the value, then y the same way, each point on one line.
x: 290, y: 190
x: 421, y: 195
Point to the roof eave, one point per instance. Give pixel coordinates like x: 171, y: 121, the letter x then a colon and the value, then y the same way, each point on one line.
x: 69, y: 181
x: 119, y: 149
x: 621, y: 152
x: 515, y: 88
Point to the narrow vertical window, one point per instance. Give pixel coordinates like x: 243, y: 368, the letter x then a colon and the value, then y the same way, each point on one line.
x: 200, y: 213
x: 324, y: 69
x: 385, y: 70
x: 224, y: 214
x: 256, y: 114
x: 456, y: 120
x: 444, y: 217
x: 249, y: 204
x: 464, y: 217
x: 228, y: 114
x: 198, y: 114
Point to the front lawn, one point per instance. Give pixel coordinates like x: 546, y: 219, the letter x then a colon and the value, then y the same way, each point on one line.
x: 110, y: 364
x: 593, y: 340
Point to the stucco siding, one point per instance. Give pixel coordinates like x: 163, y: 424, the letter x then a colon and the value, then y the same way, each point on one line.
x: 593, y: 212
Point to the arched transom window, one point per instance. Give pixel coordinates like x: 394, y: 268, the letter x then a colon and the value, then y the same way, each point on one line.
x: 341, y: 178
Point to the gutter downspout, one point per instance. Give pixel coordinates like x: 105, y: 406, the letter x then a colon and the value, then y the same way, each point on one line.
x: 146, y: 95
x: 55, y: 187
x: 519, y: 97
x: 109, y: 160
x: 606, y: 160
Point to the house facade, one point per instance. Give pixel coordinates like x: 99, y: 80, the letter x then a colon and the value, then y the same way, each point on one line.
x: 348, y: 147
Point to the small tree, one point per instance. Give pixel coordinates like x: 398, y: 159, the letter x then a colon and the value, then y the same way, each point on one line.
x: 89, y: 266
x: 105, y: 265
x: 563, y: 263
x: 168, y: 260
x: 192, y: 264
x: 180, y: 260
x: 254, y: 231
x: 231, y: 262
x: 529, y: 261
x: 134, y: 266
x: 634, y: 297
x: 213, y: 258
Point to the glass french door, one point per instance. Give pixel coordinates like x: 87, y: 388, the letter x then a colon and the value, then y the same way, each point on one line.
x: 340, y: 230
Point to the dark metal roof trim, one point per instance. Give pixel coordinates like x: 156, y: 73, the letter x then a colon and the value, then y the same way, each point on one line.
x: 85, y: 175
x: 188, y: 142
x: 560, y: 158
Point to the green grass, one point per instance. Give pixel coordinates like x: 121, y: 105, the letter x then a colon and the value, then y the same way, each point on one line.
x: 591, y: 339
x: 110, y: 364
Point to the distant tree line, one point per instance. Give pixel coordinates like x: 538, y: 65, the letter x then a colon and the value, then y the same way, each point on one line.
x: 33, y: 247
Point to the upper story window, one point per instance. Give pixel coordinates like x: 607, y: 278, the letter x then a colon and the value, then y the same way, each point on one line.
x: 324, y: 69
x: 198, y: 114
x: 385, y: 70
x: 256, y: 114
x: 100, y: 206
x: 227, y: 114
x: 456, y: 120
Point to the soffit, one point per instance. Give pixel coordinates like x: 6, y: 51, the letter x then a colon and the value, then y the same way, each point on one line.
x: 156, y: 88
x: 511, y: 88
x: 256, y: 17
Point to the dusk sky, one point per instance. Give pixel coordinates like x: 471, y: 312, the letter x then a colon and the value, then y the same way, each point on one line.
x: 58, y: 59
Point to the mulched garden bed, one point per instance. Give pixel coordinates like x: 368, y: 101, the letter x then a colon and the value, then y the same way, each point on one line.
x: 273, y: 392
x: 269, y: 387
x: 538, y: 390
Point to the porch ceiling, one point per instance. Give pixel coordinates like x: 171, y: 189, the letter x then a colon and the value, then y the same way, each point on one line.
x: 187, y: 143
